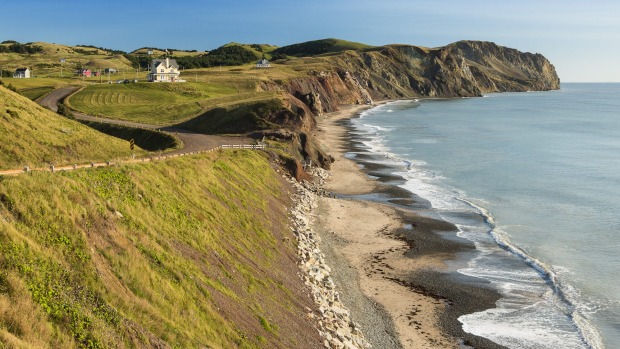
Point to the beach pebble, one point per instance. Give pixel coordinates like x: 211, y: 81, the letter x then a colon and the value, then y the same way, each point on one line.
x: 334, y: 319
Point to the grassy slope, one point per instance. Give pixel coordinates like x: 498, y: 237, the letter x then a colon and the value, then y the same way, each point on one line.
x: 146, y: 102
x: 318, y: 47
x: 258, y: 49
x: 34, y: 136
x: 197, y: 258
x: 47, y: 63
x: 165, y: 104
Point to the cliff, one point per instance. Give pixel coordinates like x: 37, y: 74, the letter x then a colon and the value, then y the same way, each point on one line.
x: 362, y: 76
x: 461, y: 69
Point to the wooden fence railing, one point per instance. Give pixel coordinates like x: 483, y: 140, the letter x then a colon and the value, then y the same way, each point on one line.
x: 152, y: 157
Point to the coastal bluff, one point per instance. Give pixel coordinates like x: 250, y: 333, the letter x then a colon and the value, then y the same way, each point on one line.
x: 460, y: 69
x: 363, y: 76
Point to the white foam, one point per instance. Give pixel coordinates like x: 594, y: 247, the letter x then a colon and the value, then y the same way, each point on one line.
x: 524, y: 328
x: 530, y: 314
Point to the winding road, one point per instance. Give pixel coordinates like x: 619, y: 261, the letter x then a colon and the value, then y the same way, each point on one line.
x: 192, y: 141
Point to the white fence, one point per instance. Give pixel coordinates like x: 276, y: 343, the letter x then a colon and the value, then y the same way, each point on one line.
x: 243, y: 146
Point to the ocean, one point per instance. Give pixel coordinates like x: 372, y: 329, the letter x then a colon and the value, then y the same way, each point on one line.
x: 533, y: 180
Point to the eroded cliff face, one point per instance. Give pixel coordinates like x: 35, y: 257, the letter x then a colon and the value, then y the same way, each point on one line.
x: 461, y: 69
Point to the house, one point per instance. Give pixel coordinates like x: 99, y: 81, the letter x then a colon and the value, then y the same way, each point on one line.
x: 84, y: 72
x: 164, y: 70
x: 22, y: 73
x: 263, y: 63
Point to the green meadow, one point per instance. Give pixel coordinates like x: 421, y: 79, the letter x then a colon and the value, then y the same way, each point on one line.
x: 164, y: 103
x: 36, y: 137
x: 188, y: 253
x: 156, y: 103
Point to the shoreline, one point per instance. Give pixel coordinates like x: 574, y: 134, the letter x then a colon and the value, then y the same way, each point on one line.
x: 388, y: 262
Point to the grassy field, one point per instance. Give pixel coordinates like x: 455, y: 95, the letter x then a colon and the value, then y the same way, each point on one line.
x: 165, y: 104
x: 155, y: 103
x: 184, y: 254
x: 33, y: 136
x: 48, y: 63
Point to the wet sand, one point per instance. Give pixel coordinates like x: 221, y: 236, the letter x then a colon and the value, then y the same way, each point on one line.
x: 387, y: 259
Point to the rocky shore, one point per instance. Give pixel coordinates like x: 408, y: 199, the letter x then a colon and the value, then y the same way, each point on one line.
x: 377, y: 269
x: 334, y: 319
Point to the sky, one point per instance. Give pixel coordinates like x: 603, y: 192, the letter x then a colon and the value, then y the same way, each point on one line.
x: 581, y: 39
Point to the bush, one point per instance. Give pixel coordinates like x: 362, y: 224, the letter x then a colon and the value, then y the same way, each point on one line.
x: 64, y: 111
x: 21, y: 48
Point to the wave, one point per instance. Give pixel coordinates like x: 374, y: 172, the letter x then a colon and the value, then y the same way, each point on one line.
x: 430, y: 185
x: 567, y: 294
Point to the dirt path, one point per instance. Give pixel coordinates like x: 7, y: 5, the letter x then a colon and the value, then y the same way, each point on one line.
x: 51, y: 100
x: 192, y: 141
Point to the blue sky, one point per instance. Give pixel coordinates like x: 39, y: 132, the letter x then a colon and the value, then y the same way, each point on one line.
x: 581, y: 40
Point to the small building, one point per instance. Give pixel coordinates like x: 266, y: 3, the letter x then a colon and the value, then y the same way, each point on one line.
x: 22, y: 73
x: 263, y: 63
x: 87, y: 73
x: 164, y: 70
x: 110, y: 71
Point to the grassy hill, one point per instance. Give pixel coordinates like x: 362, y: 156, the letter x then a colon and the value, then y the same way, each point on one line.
x: 155, y: 103
x: 47, y: 63
x: 190, y: 252
x: 33, y: 136
x: 317, y: 47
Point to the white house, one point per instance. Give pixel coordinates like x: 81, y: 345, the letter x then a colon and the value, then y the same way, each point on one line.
x: 164, y: 70
x: 22, y: 73
x: 263, y: 63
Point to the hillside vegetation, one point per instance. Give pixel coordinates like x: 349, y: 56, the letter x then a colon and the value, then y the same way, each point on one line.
x: 54, y: 60
x: 192, y: 252
x: 142, y: 102
x: 317, y: 47
x: 33, y: 136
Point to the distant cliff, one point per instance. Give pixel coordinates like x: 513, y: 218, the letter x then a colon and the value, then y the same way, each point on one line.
x: 367, y: 74
x: 461, y: 69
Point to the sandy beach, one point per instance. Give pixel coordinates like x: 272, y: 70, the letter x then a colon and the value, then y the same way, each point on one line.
x: 387, y: 261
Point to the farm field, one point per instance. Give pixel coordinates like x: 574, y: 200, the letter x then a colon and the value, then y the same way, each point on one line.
x: 155, y: 103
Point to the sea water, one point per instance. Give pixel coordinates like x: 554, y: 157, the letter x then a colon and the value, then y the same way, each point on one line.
x: 543, y: 171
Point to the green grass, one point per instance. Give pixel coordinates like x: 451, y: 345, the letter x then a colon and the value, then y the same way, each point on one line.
x: 36, y: 92
x: 33, y: 136
x: 318, y: 47
x: 47, y: 63
x: 150, y: 140
x: 27, y: 84
x: 237, y: 118
x: 182, y: 253
x: 155, y: 103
